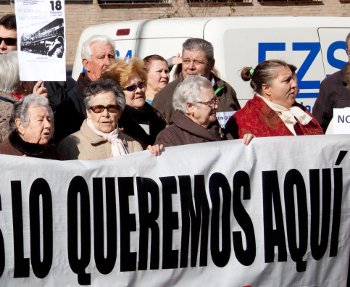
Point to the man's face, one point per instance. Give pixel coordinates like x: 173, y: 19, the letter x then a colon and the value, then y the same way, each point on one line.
x: 102, y: 55
x: 7, y: 40
x: 195, y: 63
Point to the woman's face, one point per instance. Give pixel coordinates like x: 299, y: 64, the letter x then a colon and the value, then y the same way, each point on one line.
x: 134, y: 92
x: 204, y: 112
x: 158, y: 75
x: 106, y: 114
x: 283, y: 89
x: 39, y: 129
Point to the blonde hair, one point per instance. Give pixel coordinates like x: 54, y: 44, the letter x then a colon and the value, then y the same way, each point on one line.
x: 121, y: 71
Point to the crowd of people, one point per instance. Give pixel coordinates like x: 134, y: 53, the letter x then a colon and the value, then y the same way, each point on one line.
x: 119, y: 106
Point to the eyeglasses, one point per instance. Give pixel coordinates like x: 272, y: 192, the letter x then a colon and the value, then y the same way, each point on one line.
x: 133, y: 87
x: 9, y: 41
x: 195, y: 62
x: 110, y: 108
x: 212, y: 103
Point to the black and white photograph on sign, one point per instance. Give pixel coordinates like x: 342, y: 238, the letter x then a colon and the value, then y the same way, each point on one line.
x: 48, y: 40
x: 41, y: 40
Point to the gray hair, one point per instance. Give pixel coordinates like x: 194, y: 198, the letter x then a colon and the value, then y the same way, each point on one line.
x: 102, y: 86
x: 20, y: 110
x: 9, y: 72
x: 198, y: 44
x: 86, y: 47
x: 189, y: 91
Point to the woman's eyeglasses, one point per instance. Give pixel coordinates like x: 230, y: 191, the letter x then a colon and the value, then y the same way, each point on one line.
x: 133, y: 87
x: 212, y: 103
x: 110, y: 108
x: 9, y: 41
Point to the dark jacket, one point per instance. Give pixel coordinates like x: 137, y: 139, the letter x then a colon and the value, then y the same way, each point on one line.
x: 163, y: 101
x: 70, y: 113
x: 132, y: 120
x: 334, y: 93
x: 185, y: 131
x: 16, y: 146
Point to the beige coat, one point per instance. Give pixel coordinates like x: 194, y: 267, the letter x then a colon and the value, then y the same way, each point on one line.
x: 86, y: 145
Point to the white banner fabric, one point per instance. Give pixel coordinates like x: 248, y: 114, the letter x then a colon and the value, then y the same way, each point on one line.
x: 273, y: 213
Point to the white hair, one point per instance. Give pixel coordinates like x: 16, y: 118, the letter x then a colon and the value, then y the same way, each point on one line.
x: 86, y: 47
x: 9, y: 72
x: 189, y: 91
x: 20, y: 109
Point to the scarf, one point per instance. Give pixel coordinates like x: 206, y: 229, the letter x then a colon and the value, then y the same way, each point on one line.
x: 118, y: 147
x: 289, y: 116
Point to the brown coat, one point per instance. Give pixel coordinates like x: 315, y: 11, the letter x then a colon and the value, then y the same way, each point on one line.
x: 86, y: 145
x: 185, y: 131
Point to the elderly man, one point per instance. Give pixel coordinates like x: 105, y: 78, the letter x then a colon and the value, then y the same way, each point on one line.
x: 97, y: 53
x: 334, y: 93
x: 8, y: 34
x: 198, y: 60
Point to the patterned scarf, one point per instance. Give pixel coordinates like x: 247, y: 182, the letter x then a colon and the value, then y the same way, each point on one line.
x: 289, y: 115
x: 118, y: 147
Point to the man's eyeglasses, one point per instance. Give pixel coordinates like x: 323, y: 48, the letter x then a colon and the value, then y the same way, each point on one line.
x: 9, y: 41
x: 212, y: 103
x: 195, y: 62
x: 133, y: 87
x: 110, y: 108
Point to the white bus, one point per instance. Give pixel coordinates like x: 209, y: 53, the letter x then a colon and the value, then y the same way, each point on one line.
x: 316, y: 45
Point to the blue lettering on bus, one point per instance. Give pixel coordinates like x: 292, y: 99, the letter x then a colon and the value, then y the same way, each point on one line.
x: 128, y: 54
x: 313, y: 48
x: 265, y: 47
x: 334, y: 62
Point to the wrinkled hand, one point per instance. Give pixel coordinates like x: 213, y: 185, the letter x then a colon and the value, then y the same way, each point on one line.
x: 39, y: 89
x: 247, y: 138
x: 155, y: 149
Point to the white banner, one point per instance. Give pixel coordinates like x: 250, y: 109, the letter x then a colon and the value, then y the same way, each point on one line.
x: 41, y: 39
x: 274, y: 213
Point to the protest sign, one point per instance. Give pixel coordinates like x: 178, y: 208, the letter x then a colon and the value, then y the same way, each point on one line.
x: 273, y: 213
x: 41, y: 40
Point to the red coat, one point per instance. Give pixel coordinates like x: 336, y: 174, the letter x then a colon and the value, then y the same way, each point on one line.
x: 257, y: 118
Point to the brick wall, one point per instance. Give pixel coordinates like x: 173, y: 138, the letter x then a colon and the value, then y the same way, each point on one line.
x: 80, y: 16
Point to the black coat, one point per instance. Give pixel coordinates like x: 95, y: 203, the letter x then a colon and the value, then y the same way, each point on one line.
x: 15, y: 145
x: 70, y: 112
x: 132, y: 120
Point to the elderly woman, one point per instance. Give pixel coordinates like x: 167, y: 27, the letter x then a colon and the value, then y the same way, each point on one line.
x: 32, y: 128
x: 157, y: 75
x: 194, y: 120
x: 139, y: 119
x: 99, y: 136
x: 273, y: 111
x: 12, y: 90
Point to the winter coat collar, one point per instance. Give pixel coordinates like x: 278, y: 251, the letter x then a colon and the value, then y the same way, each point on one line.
x: 182, y: 121
x: 30, y: 149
